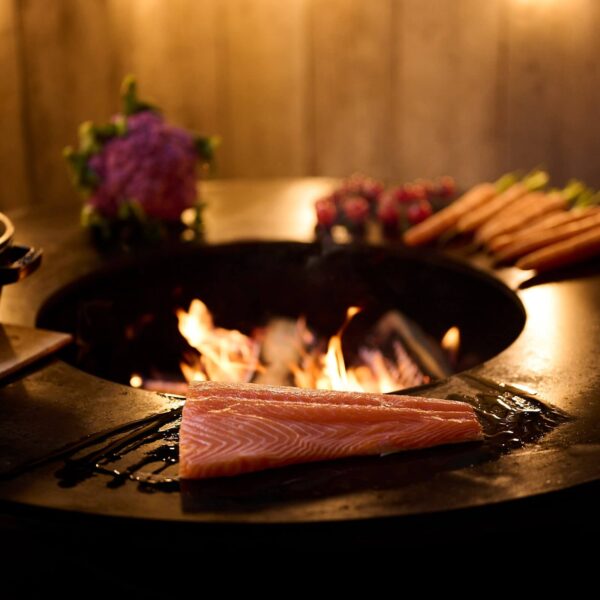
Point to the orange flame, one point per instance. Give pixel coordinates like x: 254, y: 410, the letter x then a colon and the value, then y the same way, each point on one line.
x: 225, y: 354
x: 136, y: 381
x: 228, y: 355
x: 451, y: 343
x: 335, y: 376
x: 376, y: 374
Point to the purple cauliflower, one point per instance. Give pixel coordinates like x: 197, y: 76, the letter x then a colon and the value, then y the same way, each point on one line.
x: 153, y: 164
x: 137, y: 172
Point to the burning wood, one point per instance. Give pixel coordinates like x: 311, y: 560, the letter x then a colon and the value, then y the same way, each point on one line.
x: 281, y: 346
x: 376, y: 371
x: 225, y: 354
x: 396, y: 354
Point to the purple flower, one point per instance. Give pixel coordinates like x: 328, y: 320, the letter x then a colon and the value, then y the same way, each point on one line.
x: 153, y: 164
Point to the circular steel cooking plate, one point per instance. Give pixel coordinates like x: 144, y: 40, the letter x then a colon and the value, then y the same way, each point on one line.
x: 63, y: 403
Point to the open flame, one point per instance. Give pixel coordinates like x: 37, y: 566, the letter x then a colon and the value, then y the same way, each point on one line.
x: 334, y: 375
x: 136, y: 381
x: 375, y: 373
x: 451, y: 343
x: 228, y: 355
x: 225, y: 354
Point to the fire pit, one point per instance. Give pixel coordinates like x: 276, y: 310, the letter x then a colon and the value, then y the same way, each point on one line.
x: 125, y: 322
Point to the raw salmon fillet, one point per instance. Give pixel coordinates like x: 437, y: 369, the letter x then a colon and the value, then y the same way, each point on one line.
x: 228, y: 429
x: 211, y: 389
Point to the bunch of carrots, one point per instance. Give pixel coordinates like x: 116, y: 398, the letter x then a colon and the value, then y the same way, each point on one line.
x: 520, y: 221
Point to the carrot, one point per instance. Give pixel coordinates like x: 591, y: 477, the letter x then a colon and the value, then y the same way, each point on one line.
x: 544, y: 223
x: 446, y: 218
x: 476, y: 218
x: 516, y: 207
x: 587, y: 198
x: 528, y: 208
x: 547, y: 237
x: 569, y: 251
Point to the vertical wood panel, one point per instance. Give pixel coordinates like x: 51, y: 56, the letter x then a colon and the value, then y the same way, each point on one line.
x: 554, y: 87
x: 69, y: 77
x: 535, y: 80
x: 396, y: 88
x: 13, y: 173
x: 352, y: 87
x: 172, y: 48
x: 451, y: 111
x: 264, y: 90
x: 581, y: 125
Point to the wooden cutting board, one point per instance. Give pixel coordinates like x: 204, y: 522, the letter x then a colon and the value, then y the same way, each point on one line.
x: 21, y: 346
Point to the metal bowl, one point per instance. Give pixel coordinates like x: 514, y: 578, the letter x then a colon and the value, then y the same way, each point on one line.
x: 7, y: 232
x: 16, y: 262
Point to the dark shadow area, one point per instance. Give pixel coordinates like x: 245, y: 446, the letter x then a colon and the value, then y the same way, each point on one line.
x: 589, y: 268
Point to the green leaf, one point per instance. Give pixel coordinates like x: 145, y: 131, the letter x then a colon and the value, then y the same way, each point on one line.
x: 573, y: 190
x: 104, y: 133
x: 92, y: 219
x: 83, y: 177
x: 137, y: 211
x: 124, y: 212
x: 206, y: 146
x: 87, y: 215
x: 587, y: 198
x: 131, y: 103
x: 506, y: 181
x: 88, y: 143
x: 536, y: 180
x: 120, y: 123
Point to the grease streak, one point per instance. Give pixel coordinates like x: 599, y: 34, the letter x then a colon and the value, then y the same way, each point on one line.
x: 147, y: 452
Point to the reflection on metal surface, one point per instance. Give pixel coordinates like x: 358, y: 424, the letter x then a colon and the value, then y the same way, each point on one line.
x: 290, y: 217
x: 545, y: 316
x: 557, y: 351
x: 147, y: 452
x: 302, y: 196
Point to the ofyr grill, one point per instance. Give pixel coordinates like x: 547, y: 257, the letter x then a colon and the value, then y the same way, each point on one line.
x: 244, y: 284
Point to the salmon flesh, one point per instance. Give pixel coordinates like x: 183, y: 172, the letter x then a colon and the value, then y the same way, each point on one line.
x: 228, y: 429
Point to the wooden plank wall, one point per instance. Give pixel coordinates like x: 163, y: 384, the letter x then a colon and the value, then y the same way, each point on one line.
x: 395, y: 88
x: 14, y: 180
x: 68, y: 77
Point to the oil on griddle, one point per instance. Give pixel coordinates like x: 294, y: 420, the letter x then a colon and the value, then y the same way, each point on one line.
x: 145, y: 454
